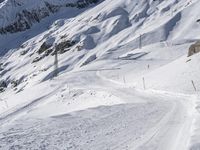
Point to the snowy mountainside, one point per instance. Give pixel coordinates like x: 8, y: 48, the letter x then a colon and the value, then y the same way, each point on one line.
x: 110, y: 53
x: 107, y: 28
x: 19, y: 15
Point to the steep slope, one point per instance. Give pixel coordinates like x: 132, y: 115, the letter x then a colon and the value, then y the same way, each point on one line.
x: 98, y: 27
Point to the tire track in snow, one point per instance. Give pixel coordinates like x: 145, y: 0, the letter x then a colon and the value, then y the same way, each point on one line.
x: 174, y: 129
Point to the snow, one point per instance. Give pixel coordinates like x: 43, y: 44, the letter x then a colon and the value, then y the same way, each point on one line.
x: 76, y: 131
x: 110, y: 92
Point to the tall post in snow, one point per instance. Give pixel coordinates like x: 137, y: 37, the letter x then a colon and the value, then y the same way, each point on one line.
x: 195, y: 89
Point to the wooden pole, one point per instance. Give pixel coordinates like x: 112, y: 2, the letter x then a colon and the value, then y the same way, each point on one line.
x: 195, y: 89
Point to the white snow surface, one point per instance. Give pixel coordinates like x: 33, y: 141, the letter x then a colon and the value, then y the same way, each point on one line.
x: 110, y: 93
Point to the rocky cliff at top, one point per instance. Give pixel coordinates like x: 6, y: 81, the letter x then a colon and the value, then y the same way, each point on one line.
x: 20, y: 15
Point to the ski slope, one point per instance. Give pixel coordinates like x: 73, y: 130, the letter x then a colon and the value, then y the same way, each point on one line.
x: 125, y: 83
x: 138, y: 119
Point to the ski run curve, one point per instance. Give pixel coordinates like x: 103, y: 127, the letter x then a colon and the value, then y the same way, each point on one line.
x: 163, y: 121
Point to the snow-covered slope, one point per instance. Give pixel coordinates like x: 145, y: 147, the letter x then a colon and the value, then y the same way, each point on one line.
x: 19, y: 15
x: 108, y: 52
x: 103, y: 33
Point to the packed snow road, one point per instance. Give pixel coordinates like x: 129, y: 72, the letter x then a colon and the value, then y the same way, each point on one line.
x: 148, y: 126
x: 144, y: 121
x: 104, y: 127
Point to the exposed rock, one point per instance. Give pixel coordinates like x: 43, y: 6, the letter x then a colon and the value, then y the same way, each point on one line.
x: 2, y: 89
x: 79, y: 47
x: 71, y: 5
x: 63, y: 36
x: 23, y: 52
x: 89, y: 60
x: 62, y: 47
x: 1, y: 66
x: 194, y: 48
x: 65, y: 50
x: 14, y: 83
x: 26, y: 18
x: 48, y: 52
x: 85, y: 3
x: 37, y: 59
x: 44, y: 47
x: 31, y: 54
x: 52, y: 8
x: 3, y: 84
x: 23, y: 45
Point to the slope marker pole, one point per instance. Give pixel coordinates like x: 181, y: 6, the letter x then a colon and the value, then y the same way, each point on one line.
x: 195, y: 89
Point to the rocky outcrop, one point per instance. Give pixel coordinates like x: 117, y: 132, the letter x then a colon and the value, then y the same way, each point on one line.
x: 44, y: 47
x: 14, y: 83
x: 194, y: 48
x: 38, y: 58
x: 3, y: 85
x: 62, y: 47
x: 85, y: 3
x: 47, y: 48
x: 26, y: 18
x: 1, y: 66
x: 89, y: 60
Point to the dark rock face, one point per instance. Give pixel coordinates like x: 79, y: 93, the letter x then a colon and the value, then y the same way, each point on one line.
x: 3, y: 84
x: 24, y: 52
x: 47, y: 49
x: 85, y: 3
x: 14, y: 83
x: 89, y: 60
x: 37, y: 59
x: 2, y: 89
x: 44, y: 47
x: 26, y: 18
x: 62, y: 47
x: 194, y: 48
x: 48, y: 52
x: 1, y: 66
